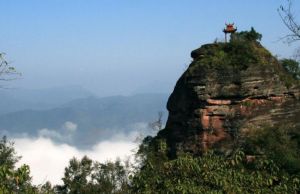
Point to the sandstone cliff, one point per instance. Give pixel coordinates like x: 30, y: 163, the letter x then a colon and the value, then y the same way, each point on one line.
x: 228, y: 91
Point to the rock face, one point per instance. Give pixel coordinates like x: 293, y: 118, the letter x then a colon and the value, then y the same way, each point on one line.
x: 229, y: 90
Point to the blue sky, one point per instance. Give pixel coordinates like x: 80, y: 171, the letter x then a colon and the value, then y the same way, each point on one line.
x: 120, y: 47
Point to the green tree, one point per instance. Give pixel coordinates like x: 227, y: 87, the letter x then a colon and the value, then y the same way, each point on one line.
x: 281, y: 144
x: 13, y: 180
x: 292, y: 67
x: 111, y: 177
x: 251, y: 35
x: 213, y: 173
x: 76, y: 176
x: 87, y: 176
x: 8, y: 156
x: 46, y: 189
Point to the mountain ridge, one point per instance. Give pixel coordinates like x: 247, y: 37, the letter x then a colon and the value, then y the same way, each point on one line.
x: 96, y: 118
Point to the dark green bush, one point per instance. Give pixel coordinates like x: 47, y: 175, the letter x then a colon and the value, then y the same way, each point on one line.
x: 292, y: 67
x: 213, y: 173
x: 251, y: 35
x: 280, y: 144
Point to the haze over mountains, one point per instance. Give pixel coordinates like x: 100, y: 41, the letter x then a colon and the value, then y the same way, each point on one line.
x: 13, y: 100
x: 76, y: 116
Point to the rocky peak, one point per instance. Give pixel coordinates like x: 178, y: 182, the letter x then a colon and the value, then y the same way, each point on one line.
x: 229, y: 89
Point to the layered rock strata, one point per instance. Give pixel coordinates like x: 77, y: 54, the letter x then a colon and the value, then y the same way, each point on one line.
x: 215, y: 100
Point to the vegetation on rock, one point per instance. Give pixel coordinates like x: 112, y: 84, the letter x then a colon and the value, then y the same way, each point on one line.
x: 292, y: 67
x: 239, y: 53
x: 281, y: 144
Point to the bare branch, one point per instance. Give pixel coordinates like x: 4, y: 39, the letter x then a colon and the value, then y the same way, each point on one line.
x: 7, y: 72
x: 157, y: 125
x: 288, y: 17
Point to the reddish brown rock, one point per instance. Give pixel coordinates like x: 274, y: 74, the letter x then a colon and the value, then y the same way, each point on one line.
x: 212, y: 101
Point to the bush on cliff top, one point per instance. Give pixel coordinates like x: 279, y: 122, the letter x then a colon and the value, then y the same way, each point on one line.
x: 242, y: 50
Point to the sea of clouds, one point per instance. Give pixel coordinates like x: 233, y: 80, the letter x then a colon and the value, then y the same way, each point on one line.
x: 48, y: 157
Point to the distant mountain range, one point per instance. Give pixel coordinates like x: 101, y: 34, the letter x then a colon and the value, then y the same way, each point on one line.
x: 93, y: 118
x: 38, y: 99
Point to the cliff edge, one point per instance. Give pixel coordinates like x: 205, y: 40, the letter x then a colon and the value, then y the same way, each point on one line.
x: 229, y: 91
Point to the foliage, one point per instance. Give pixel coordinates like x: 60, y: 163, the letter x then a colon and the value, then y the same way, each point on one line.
x: 76, y: 175
x: 240, y: 53
x: 13, y: 180
x: 86, y: 176
x: 292, y: 67
x: 212, y: 173
x: 46, y: 188
x: 291, y: 75
x: 267, y: 163
x: 111, y: 177
x: 8, y: 155
x: 243, y: 50
x: 281, y: 144
x: 251, y: 35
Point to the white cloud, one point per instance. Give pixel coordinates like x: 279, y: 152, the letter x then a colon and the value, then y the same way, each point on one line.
x: 65, y: 134
x: 48, y: 133
x: 47, y: 160
x: 49, y: 153
x: 70, y: 126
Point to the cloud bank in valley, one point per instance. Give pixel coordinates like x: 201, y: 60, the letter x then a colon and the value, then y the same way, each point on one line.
x: 48, y: 159
x: 65, y: 134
